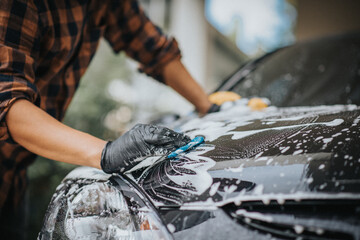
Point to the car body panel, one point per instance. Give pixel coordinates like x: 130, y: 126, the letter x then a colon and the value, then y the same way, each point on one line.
x: 274, y: 154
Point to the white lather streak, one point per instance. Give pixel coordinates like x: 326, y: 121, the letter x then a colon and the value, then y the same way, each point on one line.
x: 200, y: 179
x: 242, y: 134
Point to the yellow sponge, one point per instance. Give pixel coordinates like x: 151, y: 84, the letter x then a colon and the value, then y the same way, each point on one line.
x: 224, y: 96
x: 257, y: 104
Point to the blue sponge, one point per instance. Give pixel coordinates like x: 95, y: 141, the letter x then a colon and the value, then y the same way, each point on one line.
x: 193, y: 143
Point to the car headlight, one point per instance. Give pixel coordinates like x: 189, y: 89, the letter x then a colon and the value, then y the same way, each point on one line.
x: 99, y: 210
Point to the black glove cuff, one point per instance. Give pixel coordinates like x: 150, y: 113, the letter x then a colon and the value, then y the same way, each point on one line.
x: 104, y: 161
x: 214, y: 108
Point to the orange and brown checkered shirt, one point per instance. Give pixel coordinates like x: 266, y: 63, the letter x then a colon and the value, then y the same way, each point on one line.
x: 45, y: 48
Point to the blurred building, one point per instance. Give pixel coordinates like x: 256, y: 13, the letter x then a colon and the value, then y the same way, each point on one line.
x: 209, y: 56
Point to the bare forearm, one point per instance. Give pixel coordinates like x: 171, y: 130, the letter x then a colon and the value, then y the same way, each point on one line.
x: 177, y: 77
x: 40, y: 133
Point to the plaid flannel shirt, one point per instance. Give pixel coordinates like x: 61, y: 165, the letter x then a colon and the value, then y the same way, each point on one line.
x: 45, y: 48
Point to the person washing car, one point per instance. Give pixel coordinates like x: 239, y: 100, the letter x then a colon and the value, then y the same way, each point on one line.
x: 45, y: 48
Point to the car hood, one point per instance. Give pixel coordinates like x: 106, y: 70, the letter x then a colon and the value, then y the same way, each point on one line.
x: 278, y: 154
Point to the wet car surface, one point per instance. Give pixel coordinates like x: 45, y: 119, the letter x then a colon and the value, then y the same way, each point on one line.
x: 311, y: 151
x: 286, y: 172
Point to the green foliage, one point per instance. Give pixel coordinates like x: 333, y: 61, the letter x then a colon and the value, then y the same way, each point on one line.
x: 92, y: 101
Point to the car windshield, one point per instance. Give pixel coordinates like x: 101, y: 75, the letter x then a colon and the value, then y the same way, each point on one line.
x: 325, y: 71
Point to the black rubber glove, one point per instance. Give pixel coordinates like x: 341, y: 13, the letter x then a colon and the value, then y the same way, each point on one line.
x: 214, y: 108
x: 141, y: 141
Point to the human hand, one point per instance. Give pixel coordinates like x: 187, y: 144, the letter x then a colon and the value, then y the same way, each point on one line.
x: 141, y: 141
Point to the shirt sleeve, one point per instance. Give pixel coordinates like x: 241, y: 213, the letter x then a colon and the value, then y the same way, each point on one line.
x: 18, y: 47
x: 129, y: 29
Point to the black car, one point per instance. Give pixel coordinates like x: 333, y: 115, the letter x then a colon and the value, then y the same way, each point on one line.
x: 290, y: 171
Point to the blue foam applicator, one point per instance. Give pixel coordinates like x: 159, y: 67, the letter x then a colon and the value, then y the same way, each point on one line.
x: 193, y: 143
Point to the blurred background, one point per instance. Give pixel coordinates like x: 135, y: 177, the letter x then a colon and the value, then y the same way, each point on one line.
x: 215, y: 36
